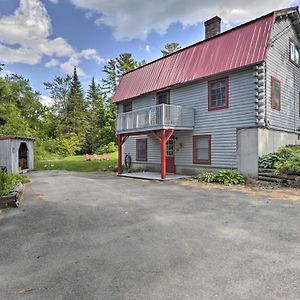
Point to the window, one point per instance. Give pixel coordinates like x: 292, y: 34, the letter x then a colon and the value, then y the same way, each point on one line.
x: 141, y: 149
x: 202, y: 149
x: 275, y: 93
x: 218, y: 94
x: 294, y: 52
x: 127, y: 106
x: 163, y: 97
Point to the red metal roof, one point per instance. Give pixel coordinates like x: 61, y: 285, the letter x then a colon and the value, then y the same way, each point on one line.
x: 239, y: 47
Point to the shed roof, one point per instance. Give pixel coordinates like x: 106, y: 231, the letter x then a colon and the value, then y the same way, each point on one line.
x: 236, y: 48
x: 15, y: 137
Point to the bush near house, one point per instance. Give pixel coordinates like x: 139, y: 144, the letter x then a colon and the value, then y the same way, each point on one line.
x: 268, y: 161
x: 8, y: 182
x: 109, y: 148
x: 226, y: 177
x: 285, y: 161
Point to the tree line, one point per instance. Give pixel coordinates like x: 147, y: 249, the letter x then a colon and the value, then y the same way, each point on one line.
x: 78, y: 121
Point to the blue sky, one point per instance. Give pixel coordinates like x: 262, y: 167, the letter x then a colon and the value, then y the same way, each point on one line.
x: 41, y: 39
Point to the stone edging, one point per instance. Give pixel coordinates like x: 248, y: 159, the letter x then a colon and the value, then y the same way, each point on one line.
x: 14, y: 198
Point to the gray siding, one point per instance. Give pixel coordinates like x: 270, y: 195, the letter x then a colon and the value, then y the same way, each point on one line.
x: 141, y: 102
x: 9, y: 154
x: 279, y: 66
x: 5, y: 154
x: 220, y: 124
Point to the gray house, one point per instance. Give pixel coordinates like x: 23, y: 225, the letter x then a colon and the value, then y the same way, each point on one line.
x: 220, y: 103
x: 16, y: 153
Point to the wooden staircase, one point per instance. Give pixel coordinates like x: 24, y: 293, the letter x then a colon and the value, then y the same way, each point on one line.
x: 269, y: 176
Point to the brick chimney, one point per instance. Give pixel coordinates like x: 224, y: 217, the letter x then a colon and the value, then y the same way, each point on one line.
x: 212, y: 27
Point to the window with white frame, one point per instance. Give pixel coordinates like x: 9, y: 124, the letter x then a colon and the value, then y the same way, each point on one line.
x: 294, y: 52
x: 218, y: 94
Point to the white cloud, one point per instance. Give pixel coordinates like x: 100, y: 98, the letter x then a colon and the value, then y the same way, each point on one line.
x: 52, y: 63
x: 46, y: 100
x: 148, y: 49
x: 69, y: 65
x: 136, y: 19
x: 91, y: 54
x: 54, y: 1
x: 19, y: 55
x: 58, y: 47
x: 25, y: 38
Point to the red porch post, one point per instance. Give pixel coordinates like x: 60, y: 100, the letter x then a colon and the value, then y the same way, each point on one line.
x: 163, y: 145
x: 119, y: 154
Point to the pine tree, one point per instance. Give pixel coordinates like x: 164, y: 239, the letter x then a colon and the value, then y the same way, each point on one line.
x: 75, y: 116
x: 125, y: 63
x: 170, y: 48
x: 109, y: 84
x: 96, y: 116
x: 141, y: 63
x: 114, y: 70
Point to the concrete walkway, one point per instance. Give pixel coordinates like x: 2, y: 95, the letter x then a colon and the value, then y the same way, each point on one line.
x: 94, y: 236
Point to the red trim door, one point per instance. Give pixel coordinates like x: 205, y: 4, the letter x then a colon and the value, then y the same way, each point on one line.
x: 170, y: 155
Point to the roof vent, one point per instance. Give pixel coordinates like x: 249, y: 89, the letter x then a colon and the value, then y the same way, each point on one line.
x: 212, y: 27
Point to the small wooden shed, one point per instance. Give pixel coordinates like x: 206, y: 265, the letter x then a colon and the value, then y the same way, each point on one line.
x: 16, y: 153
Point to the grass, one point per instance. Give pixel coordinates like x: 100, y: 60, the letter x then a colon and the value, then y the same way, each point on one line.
x: 78, y: 163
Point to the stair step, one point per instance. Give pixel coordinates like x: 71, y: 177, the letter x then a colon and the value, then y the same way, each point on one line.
x: 283, y: 177
x: 269, y: 179
x: 266, y: 170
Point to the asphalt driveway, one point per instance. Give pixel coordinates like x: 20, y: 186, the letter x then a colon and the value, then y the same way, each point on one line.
x: 95, y: 236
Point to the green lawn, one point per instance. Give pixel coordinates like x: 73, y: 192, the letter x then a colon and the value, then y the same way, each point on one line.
x: 78, y: 163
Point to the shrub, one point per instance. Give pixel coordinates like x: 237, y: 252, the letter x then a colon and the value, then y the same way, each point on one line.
x: 8, y: 182
x: 286, y: 152
x: 109, y: 148
x: 290, y: 165
x: 268, y: 161
x: 44, y: 149
x: 207, y: 177
x: 230, y: 177
x: 68, y: 146
x: 223, y: 176
x: 22, y: 178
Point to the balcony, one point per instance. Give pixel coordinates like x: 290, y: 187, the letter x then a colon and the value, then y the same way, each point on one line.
x: 163, y: 116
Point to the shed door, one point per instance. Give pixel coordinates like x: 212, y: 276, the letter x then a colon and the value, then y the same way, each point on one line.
x: 23, y: 156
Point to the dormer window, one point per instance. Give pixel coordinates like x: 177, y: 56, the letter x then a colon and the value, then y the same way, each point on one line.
x: 294, y: 52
